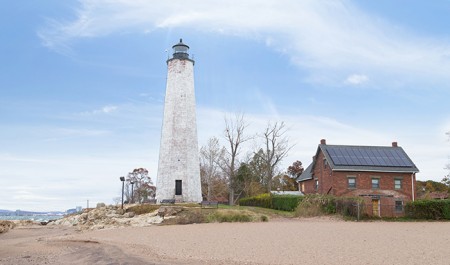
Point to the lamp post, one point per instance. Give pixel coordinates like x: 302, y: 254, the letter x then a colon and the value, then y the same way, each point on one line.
x: 123, y: 185
x: 132, y: 198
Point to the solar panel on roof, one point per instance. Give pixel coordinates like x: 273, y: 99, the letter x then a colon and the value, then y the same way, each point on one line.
x: 368, y: 156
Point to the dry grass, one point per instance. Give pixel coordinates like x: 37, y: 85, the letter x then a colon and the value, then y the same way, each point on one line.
x: 143, y: 208
x: 191, y: 215
x: 228, y: 215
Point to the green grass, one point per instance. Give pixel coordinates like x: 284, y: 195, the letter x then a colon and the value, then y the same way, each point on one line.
x: 260, y: 210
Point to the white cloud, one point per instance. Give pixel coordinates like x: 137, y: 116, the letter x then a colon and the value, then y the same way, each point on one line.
x: 104, y: 110
x: 108, y: 109
x: 356, y: 79
x: 330, y: 38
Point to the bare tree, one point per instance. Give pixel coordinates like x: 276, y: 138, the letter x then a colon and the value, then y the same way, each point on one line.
x: 209, y: 163
x: 234, y: 135
x: 276, y: 147
x: 117, y: 200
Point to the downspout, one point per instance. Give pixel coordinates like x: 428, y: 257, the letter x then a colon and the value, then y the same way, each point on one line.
x: 412, y: 186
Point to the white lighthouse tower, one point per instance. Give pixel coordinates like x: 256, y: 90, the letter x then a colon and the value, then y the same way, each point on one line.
x: 179, y: 167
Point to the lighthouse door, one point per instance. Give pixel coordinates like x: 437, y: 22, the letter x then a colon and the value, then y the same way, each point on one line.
x: 178, y: 187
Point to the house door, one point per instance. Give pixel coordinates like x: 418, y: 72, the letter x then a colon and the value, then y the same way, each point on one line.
x: 376, y: 207
x: 178, y: 187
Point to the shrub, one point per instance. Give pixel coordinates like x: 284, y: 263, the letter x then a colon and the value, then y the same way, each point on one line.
x: 229, y: 217
x: 285, y: 202
x: 428, y: 209
x: 308, y: 209
x: 263, y: 200
x: 277, y: 202
x: 348, y: 206
x: 264, y: 218
x: 315, y: 205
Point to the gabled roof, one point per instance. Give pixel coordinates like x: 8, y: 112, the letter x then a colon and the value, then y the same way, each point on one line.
x: 367, y: 158
x: 362, y: 158
x: 306, y: 174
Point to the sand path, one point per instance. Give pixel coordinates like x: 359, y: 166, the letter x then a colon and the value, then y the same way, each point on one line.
x: 304, y: 241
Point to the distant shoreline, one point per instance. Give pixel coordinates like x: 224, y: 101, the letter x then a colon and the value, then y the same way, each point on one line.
x: 37, y: 217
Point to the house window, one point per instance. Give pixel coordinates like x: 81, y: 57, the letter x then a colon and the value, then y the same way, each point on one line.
x: 375, y: 183
x: 397, y: 184
x: 316, y: 186
x: 351, y: 182
x: 399, y: 206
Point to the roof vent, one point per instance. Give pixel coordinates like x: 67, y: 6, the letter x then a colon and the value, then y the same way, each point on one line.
x: 394, y: 144
x: 323, y: 141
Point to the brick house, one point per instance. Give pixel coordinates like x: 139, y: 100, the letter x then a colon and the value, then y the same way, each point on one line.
x: 383, y: 175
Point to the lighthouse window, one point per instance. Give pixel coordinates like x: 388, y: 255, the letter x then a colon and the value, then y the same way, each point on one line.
x: 178, y: 187
x: 180, y: 49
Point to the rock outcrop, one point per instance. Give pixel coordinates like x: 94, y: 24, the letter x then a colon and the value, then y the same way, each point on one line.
x: 104, y: 217
x: 6, y: 225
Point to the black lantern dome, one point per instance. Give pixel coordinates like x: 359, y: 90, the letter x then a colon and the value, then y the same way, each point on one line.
x: 180, y: 50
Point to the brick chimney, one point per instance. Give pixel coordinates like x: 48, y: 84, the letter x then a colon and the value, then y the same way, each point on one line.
x: 394, y: 144
x: 323, y: 141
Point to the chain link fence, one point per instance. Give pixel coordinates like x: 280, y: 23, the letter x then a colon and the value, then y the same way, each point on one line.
x: 360, y: 210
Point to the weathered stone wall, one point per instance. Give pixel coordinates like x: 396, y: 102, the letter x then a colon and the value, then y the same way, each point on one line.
x: 178, y: 155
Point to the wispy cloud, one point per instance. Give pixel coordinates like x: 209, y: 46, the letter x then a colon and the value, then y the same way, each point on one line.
x: 104, y: 110
x: 329, y: 38
x: 356, y: 79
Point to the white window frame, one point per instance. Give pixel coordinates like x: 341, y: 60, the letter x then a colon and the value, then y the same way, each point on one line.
x: 395, y: 184
x: 348, y: 182
x: 378, y: 183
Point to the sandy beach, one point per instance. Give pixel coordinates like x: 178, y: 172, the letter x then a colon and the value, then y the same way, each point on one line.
x: 281, y: 241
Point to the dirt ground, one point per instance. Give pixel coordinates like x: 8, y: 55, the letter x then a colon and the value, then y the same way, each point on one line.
x: 282, y: 241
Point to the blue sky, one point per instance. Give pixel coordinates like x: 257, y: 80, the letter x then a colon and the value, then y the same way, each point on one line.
x: 82, y: 84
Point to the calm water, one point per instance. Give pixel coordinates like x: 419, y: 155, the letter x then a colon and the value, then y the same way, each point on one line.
x: 38, y: 218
